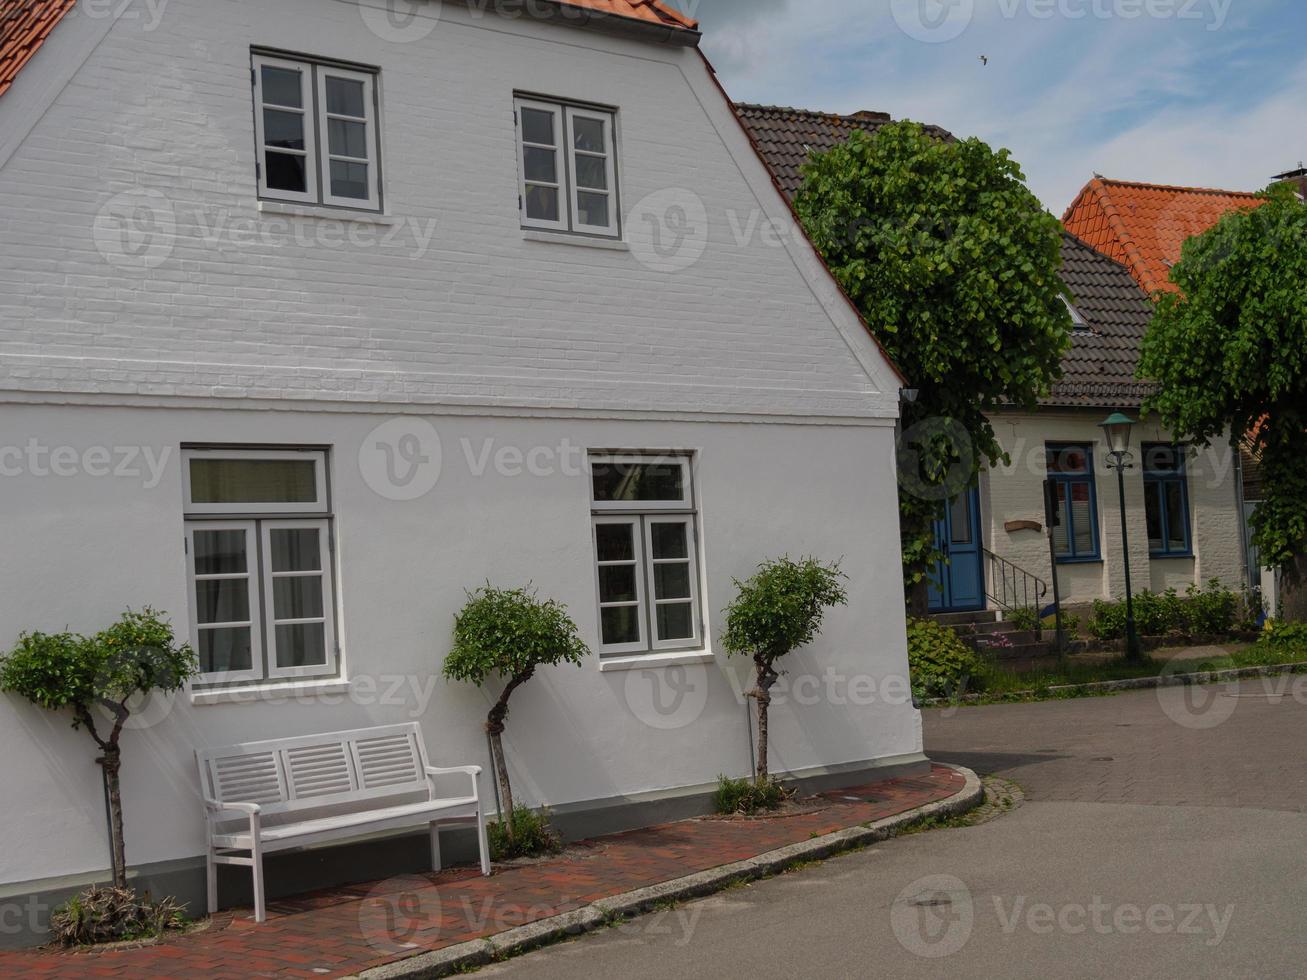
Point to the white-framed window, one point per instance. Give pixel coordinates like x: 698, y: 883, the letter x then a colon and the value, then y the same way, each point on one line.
x: 315, y: 130
x: 646, y: 552
x: 260, y: 577
x: 567, y: 167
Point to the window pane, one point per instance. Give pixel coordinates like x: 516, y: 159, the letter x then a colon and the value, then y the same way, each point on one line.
x: 282, y: 86
x: 283, y: 129
x: 345, y: 96
x: 285, y: 172
x: 542, y: 202
x: 1153, y: 515
x: 620, y: 624
x: 960, y: 520
x: 675, y: 621
x: 349, y: 179
x: 347, y: 138
x: 225, y: 649
x: 592, y: 209
x: 1067, y: 459
x: 220, y: 552
x: 253, y: 481
x: 672, y: 581
x: 538, y: 126
x: 1082, y: 519
x: 1175, y: 516
x: 301, y: 645
x: 615, y: 542
x: 1161, y: 458
x: 589, y: 134
x: 224, y: 600
x: 669, y: 540
x: 298, y: 597
x: 617, y: 583
x: 1060, y: 540
x: 540, y: 164
x: 638, y: 481
x: 591, y: 172
x: 296, y: 549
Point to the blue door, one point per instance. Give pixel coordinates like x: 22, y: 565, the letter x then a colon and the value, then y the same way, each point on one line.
x: 957, y: 585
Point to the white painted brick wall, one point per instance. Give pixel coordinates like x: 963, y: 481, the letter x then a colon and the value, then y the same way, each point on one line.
x: 482, y: 316
x: 1016, y: 493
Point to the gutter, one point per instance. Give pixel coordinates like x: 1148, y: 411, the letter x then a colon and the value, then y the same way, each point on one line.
x: 570, y: 15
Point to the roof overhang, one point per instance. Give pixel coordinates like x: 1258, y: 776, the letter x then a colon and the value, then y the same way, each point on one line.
x: 577, y: 15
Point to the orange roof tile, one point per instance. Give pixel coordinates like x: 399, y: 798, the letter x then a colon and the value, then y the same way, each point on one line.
x: 24, y: 24
x: 1143, y: 226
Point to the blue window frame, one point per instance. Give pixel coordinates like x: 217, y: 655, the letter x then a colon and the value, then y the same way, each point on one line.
x: 1071, y: 468
x: 1166, y: 501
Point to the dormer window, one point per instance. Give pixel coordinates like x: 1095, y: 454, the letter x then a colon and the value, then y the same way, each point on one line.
x: 315, y: 130
x: 1078, y: 323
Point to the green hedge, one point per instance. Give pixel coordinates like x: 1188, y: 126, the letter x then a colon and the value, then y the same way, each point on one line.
x: 1213, y: 610
x: 942, y: 666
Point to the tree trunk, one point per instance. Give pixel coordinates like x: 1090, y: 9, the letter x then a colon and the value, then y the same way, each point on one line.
x: 495, y: 727
x: 111, y: 761
x: 766, y: 678
x: 919, y: 599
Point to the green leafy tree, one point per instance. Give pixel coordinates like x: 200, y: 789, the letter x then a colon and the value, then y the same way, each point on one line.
x: 1230, y: 354
x: 777, y: 610
x: 95, y: 678
x: 953, y: 264
x: 509, y: 633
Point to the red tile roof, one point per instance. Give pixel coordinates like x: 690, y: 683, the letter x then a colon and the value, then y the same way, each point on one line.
x: 1143, y: 225
x: 24, y: 24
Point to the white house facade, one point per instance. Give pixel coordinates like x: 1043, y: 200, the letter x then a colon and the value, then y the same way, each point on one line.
x: 313, y: 318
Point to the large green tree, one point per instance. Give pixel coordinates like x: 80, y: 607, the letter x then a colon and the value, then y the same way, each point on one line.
x: 953, y: 264
x: 1230, y: 353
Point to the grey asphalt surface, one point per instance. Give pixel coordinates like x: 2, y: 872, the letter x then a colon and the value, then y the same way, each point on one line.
x: 1162, y: 835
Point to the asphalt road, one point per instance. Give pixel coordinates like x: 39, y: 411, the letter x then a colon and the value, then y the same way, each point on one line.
x: 1162, y: 835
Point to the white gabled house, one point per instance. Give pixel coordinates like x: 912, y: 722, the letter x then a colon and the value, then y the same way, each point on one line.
x: 313, y: 316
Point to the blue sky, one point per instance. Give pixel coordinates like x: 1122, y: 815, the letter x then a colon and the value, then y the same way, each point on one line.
x: 1205, y: 92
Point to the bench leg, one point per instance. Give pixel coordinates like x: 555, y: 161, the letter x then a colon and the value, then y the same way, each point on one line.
x: 483, y: 844
x: 211, y: 871
x: 435, y: 847
x: 260, y: 907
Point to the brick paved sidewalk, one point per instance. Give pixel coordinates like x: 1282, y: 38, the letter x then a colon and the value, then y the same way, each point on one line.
x: 346, y: 930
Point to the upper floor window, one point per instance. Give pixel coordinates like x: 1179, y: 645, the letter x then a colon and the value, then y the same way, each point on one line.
x: 645, y: 553
x: 258, y: 546
x: 315, y: 129
x: 1166, y: 500
x: 567, y: 167
x: 1071, y: 470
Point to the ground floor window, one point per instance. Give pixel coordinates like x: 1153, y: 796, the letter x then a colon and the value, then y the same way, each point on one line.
x: 259, y: 545
x: 1166, y: 501
x: 1071, y: 471
x: 646, y: 545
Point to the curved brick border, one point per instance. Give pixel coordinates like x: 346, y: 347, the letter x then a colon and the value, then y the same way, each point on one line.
x: 452, y: 959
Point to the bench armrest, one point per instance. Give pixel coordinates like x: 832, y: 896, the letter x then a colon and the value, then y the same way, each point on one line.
x: 472, y: 771
x: 213, y: 806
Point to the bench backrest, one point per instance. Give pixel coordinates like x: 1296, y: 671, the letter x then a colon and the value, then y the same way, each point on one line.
x: 311, y: 771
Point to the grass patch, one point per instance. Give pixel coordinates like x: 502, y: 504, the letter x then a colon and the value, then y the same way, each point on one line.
x: 747, y: 796
x: 532, y: 835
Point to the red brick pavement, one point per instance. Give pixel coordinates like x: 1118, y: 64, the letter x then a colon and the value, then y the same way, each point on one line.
x: 345, y: 930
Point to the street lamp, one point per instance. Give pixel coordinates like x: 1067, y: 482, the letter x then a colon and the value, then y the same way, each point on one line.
x: 1116, y: 429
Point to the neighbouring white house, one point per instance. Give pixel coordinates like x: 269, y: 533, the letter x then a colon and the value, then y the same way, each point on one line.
x: 313, y: 316
x: 1183, y: 505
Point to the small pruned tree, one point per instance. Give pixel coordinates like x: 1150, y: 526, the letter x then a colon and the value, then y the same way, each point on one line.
x: 777, y: 610
x: 1229, y: 352
x: 95, y: 678
x: 509, y: 633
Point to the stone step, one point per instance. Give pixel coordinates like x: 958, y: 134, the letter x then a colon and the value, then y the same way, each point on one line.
x: 1014, y: 638
x: 965, y: 618
x: 1021, y: 651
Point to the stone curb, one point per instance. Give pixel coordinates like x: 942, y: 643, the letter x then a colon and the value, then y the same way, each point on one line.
x: 1131, y: 684
x: 478, y: 952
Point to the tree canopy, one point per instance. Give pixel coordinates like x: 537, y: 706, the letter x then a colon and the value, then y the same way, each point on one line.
x: 953, y: 263
x: 1229, y: 352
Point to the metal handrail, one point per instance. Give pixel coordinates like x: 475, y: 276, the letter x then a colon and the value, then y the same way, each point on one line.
x: 1010, y: 586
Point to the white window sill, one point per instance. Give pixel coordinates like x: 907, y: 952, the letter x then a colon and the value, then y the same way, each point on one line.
x: 645, y: 661
x: 293, y: 210
x: 585, y: 241
x: 276, y: 692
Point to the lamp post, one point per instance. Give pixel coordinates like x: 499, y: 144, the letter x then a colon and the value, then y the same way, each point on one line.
x: 1116, y: 429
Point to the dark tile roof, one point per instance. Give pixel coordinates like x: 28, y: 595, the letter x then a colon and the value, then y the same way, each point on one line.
x: 1098, y: 371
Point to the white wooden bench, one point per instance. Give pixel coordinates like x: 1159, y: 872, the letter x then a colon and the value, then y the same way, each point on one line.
x: 289, y: 793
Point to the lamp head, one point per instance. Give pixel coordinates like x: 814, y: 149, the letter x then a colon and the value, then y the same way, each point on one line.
x: 1116, y: 430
